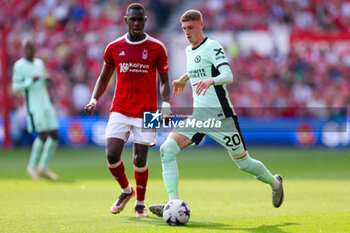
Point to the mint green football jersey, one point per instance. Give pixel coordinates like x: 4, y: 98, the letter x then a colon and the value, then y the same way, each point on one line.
x: 36, y: 94
x: 203, y: 63
x: 41, y: 115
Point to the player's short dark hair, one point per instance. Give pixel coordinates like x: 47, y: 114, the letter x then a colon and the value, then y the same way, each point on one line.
x: 27, y: 41
x: 191, y: 15
x: 136, y: 6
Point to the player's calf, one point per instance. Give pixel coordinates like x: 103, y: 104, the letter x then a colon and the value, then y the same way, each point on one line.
x: 168, y: 151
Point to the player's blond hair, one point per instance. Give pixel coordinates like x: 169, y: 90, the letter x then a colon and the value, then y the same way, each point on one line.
x: 191, y: 15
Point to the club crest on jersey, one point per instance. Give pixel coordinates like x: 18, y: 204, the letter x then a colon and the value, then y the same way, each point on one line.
x: 144, y: 54
x: 197, y: 59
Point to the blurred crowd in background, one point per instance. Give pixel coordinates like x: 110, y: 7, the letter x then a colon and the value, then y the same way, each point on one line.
x: 310, y: 15
x: 294, y: 80
x: 71, y: 37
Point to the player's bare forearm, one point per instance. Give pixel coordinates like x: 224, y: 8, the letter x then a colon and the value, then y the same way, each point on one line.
x: 180, y: 84
x: 203, y: 85
x: 184, y: 78
x: 164, y: 87
x: 100, y: 87
x: 102, y: 82
x: 164, y: 90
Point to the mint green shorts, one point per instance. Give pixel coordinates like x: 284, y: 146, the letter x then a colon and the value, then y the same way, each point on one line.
x: 228, y: 135
x: 42, y: 121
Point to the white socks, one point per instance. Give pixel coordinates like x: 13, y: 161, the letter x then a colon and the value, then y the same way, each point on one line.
x: 127, y: 190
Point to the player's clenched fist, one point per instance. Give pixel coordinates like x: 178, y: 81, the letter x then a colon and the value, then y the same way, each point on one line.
x: 90, y: 107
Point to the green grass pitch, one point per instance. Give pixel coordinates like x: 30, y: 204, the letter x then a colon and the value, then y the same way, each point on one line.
x: 221, y: 197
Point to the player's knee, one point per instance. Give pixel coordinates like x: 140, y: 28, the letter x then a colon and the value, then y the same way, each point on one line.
x: 165, y: 153
x: 112, y: 158
x: 140, y: 161
x: 168, y: 150
x: 113, y: 152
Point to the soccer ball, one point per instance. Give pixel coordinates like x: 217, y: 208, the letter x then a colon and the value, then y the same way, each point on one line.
x: 176, y: 213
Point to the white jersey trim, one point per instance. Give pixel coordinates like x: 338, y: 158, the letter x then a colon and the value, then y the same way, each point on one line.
x: 159, y: 42
x: 125, y: 36
x: 135, y: 42
x: 116, y: 40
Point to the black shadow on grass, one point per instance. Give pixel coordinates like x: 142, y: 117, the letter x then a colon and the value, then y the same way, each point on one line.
x: 156, y: 221
x: 149, y: 220
x: 217, y: 226
x: 260, y: 229
x: 267, y: 228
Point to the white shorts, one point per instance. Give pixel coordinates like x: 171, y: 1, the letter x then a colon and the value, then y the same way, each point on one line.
x: 120, y: 126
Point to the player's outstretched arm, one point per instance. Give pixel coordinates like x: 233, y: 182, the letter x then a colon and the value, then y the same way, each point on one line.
x: 179, y: 85
x: 100, y: 87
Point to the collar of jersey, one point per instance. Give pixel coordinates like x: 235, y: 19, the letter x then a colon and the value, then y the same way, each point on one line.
x: 26, y: 60
x: 135, y: 42
x: 205, y: 39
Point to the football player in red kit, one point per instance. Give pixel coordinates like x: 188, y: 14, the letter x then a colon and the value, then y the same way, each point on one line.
x: 136, y: 57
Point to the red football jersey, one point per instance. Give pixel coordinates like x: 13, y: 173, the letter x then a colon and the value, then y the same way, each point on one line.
x: 136, y: 64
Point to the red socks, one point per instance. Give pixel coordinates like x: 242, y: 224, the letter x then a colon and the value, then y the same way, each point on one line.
x: 118, y: 171
x: 141, y: 177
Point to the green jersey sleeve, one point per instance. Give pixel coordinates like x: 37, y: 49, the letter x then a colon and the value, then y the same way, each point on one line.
x: 217, y: 54
x: 35, y: 93
x: 19, y: 79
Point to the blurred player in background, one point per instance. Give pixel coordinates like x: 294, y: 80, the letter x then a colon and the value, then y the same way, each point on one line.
x: 29, y: 77
x: 208, y: 71
x: 137, y: 57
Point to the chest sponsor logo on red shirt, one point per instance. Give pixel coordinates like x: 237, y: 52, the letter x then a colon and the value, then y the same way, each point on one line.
x: 133, y: 67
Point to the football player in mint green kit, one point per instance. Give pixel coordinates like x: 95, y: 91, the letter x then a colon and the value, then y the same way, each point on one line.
x: 29, y: 78
x: 208, y: 71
